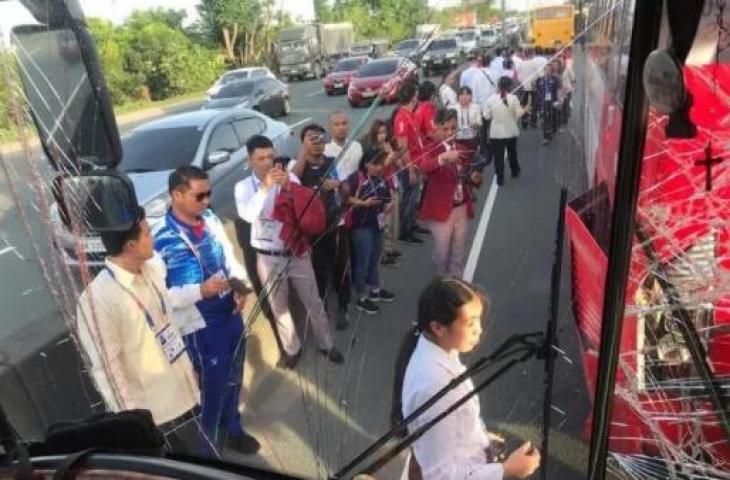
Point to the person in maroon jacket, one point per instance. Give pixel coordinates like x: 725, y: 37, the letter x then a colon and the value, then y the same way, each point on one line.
x: 447, y: 202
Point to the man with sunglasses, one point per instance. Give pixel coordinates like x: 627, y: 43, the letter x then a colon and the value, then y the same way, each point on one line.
x: 208, y: 289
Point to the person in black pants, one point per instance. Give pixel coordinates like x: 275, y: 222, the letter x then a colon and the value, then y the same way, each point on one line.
x: 547, y: 97
x: 505, y: 110
x: 331, y: 250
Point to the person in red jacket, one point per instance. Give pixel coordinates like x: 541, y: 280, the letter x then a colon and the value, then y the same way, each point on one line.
x: 447, y: 202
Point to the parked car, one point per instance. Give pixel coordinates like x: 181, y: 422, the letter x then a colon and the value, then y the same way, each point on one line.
x: 213, y: 140
x: 410, y: 48
x: 238, y: 74
x: 441, y: 54
x: 469, y: 40
x: 380, y: 77
x: 361, y: 49
x: 267, y: 95
x: 338, y: 80
x: 488, y: 38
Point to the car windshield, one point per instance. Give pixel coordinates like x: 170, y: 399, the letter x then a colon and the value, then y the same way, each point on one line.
x: 160, y: 149
x: 407, y: 45
x: 445, y: 44
x: 237, y: 89
x: 348, y: 65
x: 234, y: 77
x: 576, y: 291
x: 377, y: 69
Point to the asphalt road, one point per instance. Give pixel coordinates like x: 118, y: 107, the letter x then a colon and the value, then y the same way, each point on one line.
x: 314, y: 419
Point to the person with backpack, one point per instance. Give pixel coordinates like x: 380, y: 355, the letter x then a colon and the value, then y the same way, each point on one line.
x: 368, y: 197
x: 280, y: 267
x: 504, y: 110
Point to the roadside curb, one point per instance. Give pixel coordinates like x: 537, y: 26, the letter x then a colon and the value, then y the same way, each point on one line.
x: 12, y: 148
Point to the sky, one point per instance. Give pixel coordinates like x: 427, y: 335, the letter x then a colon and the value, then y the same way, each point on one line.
x: 11, y: 13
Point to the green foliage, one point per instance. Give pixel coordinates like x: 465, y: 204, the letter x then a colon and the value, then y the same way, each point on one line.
x: 393, y: 20
x: 151, y: 57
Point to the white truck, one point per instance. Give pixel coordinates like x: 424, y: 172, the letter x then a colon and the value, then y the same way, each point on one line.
x: 307, y: 50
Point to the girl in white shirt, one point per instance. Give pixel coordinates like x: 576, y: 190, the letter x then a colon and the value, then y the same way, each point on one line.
x: 469, y: 116
x: 446, y: 90
x: 450, y: 313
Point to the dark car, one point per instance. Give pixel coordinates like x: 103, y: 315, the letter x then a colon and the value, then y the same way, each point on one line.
x: 409, y: 48
x: 266, y: 95
x: 380, y: 77
x: 338, y: 80
x: 442, y: 53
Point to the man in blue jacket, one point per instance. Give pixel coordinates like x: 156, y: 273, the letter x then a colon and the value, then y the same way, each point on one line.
x: 208, y: 289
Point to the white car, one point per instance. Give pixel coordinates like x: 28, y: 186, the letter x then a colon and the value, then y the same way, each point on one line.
x: 238, y: 74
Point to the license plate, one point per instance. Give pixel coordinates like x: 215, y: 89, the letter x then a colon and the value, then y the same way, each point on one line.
x: 339, y: 85
x: 368, y: 94
x: 93, y: 245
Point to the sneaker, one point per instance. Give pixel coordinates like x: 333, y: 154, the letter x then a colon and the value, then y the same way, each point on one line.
x: 381, y: 295
x: 245, y: 444
x: 333, y: 355
x: 366, y: 305
x: 515, y: 174
x: 545, y: 141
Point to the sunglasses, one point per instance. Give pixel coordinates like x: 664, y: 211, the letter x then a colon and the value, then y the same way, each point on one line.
x: 199, y: 197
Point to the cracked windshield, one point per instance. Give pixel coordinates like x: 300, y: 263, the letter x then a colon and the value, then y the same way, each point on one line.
x: 383, y: 239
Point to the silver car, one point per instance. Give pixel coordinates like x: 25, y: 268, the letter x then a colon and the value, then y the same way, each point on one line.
x: 214, y: 140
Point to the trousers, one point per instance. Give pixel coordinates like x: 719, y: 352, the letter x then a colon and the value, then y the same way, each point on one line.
x: 368, y: 246
x: 331, y: 263
x: 408, y: 205
x: 449, y: 242
x: 499, y: 146
x: 217, y: 353
x: 300, y: 276
x: 392, y: 223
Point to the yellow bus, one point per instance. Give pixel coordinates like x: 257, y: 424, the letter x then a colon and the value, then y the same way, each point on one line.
x: 552, y: 27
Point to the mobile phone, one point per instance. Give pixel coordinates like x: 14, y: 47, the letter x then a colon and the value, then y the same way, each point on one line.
x: 239, y: 287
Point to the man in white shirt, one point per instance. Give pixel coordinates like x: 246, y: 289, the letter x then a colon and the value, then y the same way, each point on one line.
x: 497, y: 64
x: 527, y: 75
x: 277, y: 266
x: 138, y: 358
x: 348, y: 161
x: 347, y: 164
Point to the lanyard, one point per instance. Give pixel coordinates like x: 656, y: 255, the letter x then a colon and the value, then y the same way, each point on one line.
x: 136, y: 299
x: 181, y: 233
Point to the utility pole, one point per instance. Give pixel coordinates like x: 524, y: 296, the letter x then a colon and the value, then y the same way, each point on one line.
x: 504, y: 23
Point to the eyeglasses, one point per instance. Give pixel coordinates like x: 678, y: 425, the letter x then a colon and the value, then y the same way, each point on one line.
x: 199, y: 197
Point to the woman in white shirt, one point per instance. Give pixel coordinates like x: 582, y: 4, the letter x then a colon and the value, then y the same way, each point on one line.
x: 504, y: 110
x: 469, y: 121
x: 449, y: 322
x: 446, y: 91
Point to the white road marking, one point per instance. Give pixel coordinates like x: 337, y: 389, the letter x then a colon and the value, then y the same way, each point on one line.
x: 300, y: 122
x: 318, y: 92
x: 476, y: 246
x: 6, y: 250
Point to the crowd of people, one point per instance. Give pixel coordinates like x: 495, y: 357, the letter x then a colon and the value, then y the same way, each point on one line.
x: 162, y: 325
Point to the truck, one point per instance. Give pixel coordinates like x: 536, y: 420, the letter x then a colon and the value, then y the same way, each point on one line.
x: 427, y: 30
x: 308, y: 50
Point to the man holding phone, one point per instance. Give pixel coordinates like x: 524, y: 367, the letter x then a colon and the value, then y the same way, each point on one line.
x: 318, y: 171
x: 278, y: 267
x: 208, y: 289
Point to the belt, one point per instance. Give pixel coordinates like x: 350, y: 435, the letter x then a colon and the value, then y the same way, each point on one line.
x: 271, y: 253
x: 179, y: 421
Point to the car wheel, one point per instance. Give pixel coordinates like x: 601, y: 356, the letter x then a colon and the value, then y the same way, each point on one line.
x: 286, y: 108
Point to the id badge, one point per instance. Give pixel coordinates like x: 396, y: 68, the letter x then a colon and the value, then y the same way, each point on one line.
x: 172, y: 344
x: 266, y: 230
x: 548, y: 97
x: 381, y: 220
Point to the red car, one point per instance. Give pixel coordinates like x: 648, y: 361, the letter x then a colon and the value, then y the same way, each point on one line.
x: 380, y: 77
x: 338, y: 80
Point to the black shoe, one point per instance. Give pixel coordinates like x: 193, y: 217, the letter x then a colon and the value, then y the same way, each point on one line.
x: 500, y: 181
x: 388, y: 261
x: 343, y: 320
x: 411, y: 239
x: 366, y: 305
x: 545, y: 141
x: 420, y: 229
x: 333, y: 355
x: 245, y: 444
x: 516, y: 174
x: 381, y: 296
x: 396, y: 254
x: 290, y: 361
